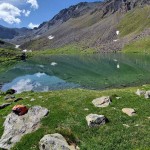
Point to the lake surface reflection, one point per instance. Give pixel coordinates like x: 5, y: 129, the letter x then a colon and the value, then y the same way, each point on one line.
x: 64, y: 72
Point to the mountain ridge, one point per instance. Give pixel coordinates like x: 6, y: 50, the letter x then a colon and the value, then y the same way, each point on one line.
x: 91, y: 24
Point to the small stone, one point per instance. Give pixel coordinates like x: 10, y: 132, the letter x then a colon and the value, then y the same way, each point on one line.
x: 125, y: 125
x: 40, y: 96
x: 114, y: 108
x: 32, y: 100
x: 94, y: 120
x: 102, y: 101
x: 18, y: 99
x: 55, y: 142
x: 86, y: 109
x: 140, y: 92
x: 4, y: 105
x: 147, y: 95
x: 118, y: 98
x: 129, y: 111
x: 9, y: 97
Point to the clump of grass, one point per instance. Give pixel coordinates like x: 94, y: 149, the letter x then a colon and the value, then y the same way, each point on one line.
x: 68, y: 134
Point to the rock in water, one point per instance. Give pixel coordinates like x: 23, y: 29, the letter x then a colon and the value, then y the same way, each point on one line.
x: 54, y: 142
x: 11, y: 91
x: 129, y: 111
x: 102, y: 101
x: 16, y: 126
x: 147, y: 94
x: 140, y: 92
x: 95, y: 120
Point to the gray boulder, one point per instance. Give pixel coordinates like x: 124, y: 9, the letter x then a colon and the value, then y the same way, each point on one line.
x: 54, y: 142
x: 140, y: 92
x: 4, y: 105
x: 9, y: 97
x: 147, y: 94
x: 16, y: 126
x: 102, y: 101
x: 94, y: 120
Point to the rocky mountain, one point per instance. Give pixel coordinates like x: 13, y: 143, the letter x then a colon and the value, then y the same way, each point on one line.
x: 4, y: 44
x: 92, y: 25
x: 10, y: 33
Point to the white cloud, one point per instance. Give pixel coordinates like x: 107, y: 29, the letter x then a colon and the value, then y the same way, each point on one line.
x: 34, y: 3
x: 9, y: 13
x: 31, y: 25
x: 26, y: 12
x: 14, y: 2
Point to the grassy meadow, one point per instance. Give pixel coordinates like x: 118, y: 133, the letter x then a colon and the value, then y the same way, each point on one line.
x: 67, y: 117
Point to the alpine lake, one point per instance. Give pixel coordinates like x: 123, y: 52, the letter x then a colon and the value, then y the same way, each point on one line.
x: 57, y: 72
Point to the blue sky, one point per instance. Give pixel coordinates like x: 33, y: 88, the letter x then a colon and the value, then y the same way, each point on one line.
x: 29, y: 13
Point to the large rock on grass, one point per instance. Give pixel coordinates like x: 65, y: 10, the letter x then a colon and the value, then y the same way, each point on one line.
x: 4, y: 105
x: 140, y: 92
x: 147, y: 94
x: 129, y: 111
x: 16, y: 126
x: 95, y: 120
x: 102, y: 101
x: 54, y: 142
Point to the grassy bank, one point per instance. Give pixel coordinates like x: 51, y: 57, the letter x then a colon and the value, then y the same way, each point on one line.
x: 8, y: 57
x: 72, y: 49
x: 141, y: 46
x: 67, y: 116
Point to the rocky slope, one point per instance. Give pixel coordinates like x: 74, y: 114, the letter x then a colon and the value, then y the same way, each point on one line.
x: 91, y: 25
x: 4, y: 44
x: 10, y: 33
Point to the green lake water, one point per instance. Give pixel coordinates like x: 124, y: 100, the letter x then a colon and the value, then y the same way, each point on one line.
x: 57, y: 72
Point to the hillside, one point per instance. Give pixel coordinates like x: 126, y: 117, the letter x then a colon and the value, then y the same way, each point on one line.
x: 94, y: 25
x: 90, y: 25
x: 4, y: 44
x: 10, y: 33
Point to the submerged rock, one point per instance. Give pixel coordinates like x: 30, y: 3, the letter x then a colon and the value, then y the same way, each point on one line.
x: 102, y: 101
x: 95, y: 120
x: 55, y: 142
x: 129, y: 111
x: 11, y: 91
x: 16, y: 126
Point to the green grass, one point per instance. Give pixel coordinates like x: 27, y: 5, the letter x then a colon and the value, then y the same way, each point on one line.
x: 8, y: 57
x: 65, y: 50
x: 135, y: 21
x: 140, y: 46
x: 67, y: 116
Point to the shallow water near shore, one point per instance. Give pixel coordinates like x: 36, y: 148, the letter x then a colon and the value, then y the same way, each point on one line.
x: 56, y: 72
